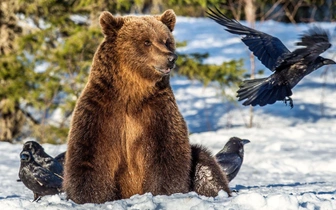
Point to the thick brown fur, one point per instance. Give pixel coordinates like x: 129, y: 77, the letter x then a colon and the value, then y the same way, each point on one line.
x: 206, y: 175
x: 127, y: 135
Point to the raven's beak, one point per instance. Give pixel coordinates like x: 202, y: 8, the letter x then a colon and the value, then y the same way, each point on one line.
x: 328, y: 61
x: 245, y: 141
x: 24, y: 156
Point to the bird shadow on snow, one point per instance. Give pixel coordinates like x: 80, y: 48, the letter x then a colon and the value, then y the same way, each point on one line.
x: 295, y: 184
x: 10, y: 196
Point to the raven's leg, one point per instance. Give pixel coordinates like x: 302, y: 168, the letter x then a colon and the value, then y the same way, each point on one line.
x: 290, y: 100
x: 37, y: 197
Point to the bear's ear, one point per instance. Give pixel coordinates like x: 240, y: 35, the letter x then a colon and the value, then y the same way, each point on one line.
x: 109, y: 24
x: 168, y: 18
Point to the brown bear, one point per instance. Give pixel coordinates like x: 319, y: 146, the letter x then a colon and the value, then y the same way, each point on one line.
x: 127, y: 135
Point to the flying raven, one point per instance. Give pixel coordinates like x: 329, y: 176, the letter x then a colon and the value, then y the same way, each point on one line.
x: 288, y: 67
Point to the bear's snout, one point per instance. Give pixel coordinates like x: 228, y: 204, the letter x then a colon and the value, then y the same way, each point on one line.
x: 172, y: 58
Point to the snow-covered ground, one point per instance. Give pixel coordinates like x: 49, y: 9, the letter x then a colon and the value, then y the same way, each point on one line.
x: 289, y: 164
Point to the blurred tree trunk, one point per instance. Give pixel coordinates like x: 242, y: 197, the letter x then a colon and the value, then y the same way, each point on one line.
x: 11, y: 122
x: 236, y: 8
x: 327, y: 10
x: 250, y: 11
x: 8, y: 26
x: 156, y: 7
x: 11, y: 119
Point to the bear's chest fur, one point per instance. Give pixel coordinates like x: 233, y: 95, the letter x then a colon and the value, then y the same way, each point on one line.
x: 147, y: 136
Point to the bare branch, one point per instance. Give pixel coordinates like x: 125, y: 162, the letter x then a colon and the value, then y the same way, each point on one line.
x: 29, y: 116
x: 275, y: 5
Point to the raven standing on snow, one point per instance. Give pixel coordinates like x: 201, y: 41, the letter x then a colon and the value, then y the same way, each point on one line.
x: 61, y: 158
x: 231, y: 157
x: 288, y: 67
x: 39, y: 172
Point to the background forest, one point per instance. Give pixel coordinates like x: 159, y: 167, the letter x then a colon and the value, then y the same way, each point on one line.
x: 46, y: 49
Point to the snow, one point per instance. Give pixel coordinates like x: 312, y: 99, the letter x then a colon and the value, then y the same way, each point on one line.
x: 289, y: 164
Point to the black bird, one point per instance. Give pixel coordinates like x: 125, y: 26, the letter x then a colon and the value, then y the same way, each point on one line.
x: 61, y: 158
x: 288, y: 67
x: 40, y: 172
x: 231, y: 157
x: 42, y: 158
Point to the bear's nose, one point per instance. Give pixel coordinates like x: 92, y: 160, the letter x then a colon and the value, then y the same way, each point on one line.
x: 172, y: 57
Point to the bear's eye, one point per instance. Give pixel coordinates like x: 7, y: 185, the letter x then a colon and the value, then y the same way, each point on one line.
x: 148, y: 43
x: 168, y: 42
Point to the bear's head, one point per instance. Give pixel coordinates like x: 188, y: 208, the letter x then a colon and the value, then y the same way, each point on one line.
x: 144, y: 45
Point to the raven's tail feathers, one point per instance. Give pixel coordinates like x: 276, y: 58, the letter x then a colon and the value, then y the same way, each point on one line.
x: 262, y: 92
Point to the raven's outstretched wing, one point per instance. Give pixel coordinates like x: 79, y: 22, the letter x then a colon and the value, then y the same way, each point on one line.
x: 315, y: 42
x: 269, y: 50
